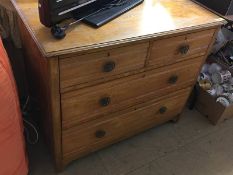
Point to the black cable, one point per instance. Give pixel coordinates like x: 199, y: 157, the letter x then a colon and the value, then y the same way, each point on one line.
x: 29, y: 126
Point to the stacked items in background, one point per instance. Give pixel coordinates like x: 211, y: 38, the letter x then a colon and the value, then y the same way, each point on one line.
x: 216, y: 78
x: 215, y: 97
x: 218, y: 82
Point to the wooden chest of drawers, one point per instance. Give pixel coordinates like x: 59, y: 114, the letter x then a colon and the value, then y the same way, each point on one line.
x: 108, y: 86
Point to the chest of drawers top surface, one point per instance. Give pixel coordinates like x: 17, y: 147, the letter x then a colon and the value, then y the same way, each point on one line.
x: 153, y: 18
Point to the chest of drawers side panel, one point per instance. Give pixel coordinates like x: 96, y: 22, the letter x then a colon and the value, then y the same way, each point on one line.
x: 43, y: 83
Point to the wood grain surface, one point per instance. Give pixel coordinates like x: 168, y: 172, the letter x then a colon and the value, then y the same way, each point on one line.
x: 152, y: 18
x: 90, y: 67
x: 84, y: 105
x: 43, y: 84
x: 122, y: 125
x: 158, y: 49
x: 169, y: 50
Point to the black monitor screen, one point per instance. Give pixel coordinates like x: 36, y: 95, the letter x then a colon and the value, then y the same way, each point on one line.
x: 220, y: 6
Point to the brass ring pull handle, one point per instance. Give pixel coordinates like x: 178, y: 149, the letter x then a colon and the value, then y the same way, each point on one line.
x: 100, y: 134
x: 109, y: 66
x: 105, y: 101
x: 184, y: 49
x: 162, y: 110
x: 173, y: 79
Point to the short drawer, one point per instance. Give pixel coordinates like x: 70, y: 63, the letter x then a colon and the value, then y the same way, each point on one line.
x: 90, y: 67
x: 85, y: 104
x: 96, y: 134
x: 171, y: 50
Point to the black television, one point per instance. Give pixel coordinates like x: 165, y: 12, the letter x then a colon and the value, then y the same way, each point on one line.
x: 52, y: 12
x: 223, y: 8
x: 93, y: 12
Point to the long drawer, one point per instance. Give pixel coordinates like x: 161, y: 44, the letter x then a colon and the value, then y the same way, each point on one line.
x: 88, y: 137
x: 85, y: 104
x: 95, y: 66
x: 171, y: 50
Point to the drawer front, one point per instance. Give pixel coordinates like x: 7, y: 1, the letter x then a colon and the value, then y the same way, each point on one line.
x: 93, y: 135
x: 91, y: 67
x: 83, y: 105
x: 172, y: 50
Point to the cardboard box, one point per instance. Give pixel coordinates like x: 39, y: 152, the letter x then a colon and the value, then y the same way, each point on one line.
x: 214, y: 111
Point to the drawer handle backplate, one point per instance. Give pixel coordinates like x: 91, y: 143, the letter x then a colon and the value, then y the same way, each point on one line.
x: 162, y: 110
x: 109, y: 66
x: 173, y: 79
x: 184, y: 49
x: 100, y: 133
x: 105, y: 101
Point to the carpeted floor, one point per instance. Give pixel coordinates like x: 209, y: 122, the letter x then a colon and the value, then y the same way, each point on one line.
x: 190, y: 147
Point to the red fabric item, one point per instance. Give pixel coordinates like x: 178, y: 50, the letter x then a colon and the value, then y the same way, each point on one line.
x: 13, y: 159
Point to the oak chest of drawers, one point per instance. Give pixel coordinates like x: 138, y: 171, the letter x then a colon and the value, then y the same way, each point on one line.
x: 100, y: 86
